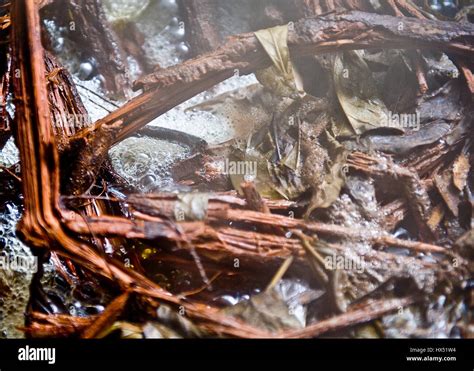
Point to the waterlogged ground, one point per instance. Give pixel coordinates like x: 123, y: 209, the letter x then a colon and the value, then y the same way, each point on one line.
x: 143, y: 162
x: 230, y: 110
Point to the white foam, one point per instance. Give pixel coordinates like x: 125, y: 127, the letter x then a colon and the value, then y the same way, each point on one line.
x: 14, y: 283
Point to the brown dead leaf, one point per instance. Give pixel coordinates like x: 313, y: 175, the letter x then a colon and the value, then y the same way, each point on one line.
x: 436, y: 216
x: 461, y: 169
x: 282, y: 77
x: 329, y: 190
x: 358, y: 93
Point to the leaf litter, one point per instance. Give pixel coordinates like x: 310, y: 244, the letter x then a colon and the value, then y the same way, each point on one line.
x: 336, y: 172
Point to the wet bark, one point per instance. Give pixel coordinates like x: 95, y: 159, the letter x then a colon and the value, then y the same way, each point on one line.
x: 90, y: 30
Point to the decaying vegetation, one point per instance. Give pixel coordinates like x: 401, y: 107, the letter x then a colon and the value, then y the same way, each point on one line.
x: 333, y: 184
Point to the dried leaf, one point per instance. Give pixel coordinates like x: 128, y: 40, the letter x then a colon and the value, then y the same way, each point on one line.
x: 329, y: 190
x: 252, y: 167
x: 273, y: 179
x: 400, y: 86
x: 127, y: 330
x: 437, y: 214
x: 267, y: 311
x: 274, y: 41
x: 447, y: 191
x: 357, y: 93
x: 281, y: 78
x: 400, y: 144
x: 460, y: 171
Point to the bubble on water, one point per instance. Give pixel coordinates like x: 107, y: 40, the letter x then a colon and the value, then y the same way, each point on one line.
x: 174, y: 22
x: 214, y: 128
x: 160, y: 37
x: 170, y: 5
x: 134, y: 69
x: 9, y: 155
x: 178, y: 33
x: 182, y: 48
x: 148, y: 181
x: 135, y: 163
x: 58, y: 44
x: 162, y: 29
x: 85, y: 70
x: 146, y: 162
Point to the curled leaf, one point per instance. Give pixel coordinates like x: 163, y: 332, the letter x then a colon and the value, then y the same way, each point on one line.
x: 460, y: 171
x: 328, y: 191
x: 281, y: 78
x: 270, y: 178
x: 357, y: 93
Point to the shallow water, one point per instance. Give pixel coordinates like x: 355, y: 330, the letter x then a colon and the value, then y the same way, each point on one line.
x: 149, y: 160
x: 14, y: 278
x: 145, y: 163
